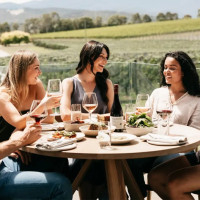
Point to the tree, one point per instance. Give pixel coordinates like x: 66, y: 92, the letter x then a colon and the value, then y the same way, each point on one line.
x: 136, y: 18
x: 117, y: 20
x: 198, y: 15
x: 146, y: 18
x: 66, y: 24
x: 187, y: 17
x: 4, y: 27
x: 15, y: 26
x: 160, y: 17
x: 86, y: 22
x: 55, y: 21
x: 32, y: 25
x: 98, y: 21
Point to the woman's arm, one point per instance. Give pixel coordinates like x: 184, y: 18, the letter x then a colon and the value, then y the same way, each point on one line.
x: 110, y: 94
x: 65, y: 107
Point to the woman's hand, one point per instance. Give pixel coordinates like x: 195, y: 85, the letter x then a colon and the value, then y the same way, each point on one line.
x: 51, y: 101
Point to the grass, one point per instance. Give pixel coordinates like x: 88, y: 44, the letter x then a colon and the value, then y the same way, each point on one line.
x: 130, y: 30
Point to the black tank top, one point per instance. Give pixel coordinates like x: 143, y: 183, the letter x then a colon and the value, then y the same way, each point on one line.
x: 6, y: 129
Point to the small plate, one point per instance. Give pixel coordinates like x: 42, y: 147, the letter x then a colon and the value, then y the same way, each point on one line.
x: 165, y: 143
x: 67, y: 147
x: 49, y: 127
x: 122, y: 138
x: 86, y: 131
x: 79, y: 136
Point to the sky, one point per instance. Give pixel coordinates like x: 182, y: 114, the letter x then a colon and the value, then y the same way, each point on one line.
x: 14, y: 1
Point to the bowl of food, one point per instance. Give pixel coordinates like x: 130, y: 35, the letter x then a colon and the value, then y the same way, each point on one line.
x: 139, y: 124
x: 73, y: 126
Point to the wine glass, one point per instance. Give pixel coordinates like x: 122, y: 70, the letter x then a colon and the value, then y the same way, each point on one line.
x: 142, y: 104
x: 54, y: 88
x: 90, y: 102
x: 163, y: 110
x: 37, y: 112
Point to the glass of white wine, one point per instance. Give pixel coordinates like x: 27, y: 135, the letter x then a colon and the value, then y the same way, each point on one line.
x: 142, y: 104
x: 90, y: 102
x: 54, y: 88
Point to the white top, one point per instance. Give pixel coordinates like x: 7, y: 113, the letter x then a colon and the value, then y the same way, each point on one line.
x: 186, y: 110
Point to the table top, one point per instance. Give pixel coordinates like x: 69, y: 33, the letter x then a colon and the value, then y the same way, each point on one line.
x: 89, y: 148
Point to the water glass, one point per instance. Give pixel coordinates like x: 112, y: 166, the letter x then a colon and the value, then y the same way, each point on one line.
x: 129, y: 110
x: 75, y: 112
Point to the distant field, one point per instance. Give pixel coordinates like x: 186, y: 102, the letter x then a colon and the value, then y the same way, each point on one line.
x: 131, y: 30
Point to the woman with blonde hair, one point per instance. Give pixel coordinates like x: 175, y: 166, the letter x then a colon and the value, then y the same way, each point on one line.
x: 19, y: 88
x: 17, y: 91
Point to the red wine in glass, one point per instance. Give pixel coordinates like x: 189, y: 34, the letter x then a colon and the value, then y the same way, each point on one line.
x: 38, y: 118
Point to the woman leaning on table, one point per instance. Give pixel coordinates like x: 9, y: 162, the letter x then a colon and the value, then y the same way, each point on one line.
x: 91, y: 77
x: 180, y: 86
x: 17, y: 91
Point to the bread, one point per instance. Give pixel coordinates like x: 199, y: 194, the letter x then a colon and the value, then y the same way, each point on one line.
x: 103, y: 117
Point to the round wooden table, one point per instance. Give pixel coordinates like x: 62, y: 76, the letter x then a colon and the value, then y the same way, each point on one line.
x: 117, y: 169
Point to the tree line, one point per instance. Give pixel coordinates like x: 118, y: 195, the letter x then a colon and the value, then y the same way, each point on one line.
x: 52, y: 22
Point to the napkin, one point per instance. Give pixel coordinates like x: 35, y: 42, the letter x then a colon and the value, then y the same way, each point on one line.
x: 56, y: 144
x: 164, y: 138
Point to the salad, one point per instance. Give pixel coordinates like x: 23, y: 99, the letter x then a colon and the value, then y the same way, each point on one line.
x: 139, y: 121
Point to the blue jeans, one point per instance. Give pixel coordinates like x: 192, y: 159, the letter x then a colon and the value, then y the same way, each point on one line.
x: 31, y: 185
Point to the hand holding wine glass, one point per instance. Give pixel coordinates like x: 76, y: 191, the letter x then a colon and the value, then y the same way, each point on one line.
x: 54, y: 89
x: 38, y: 111
x: 142, y: 104
x: 90, y: 102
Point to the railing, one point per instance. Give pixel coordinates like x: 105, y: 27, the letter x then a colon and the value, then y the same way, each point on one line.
x: 133, y: 78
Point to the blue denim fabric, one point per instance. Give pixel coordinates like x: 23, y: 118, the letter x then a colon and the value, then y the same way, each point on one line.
x: 31, y: 185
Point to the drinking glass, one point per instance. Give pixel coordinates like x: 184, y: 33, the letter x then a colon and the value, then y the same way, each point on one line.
x: 90, y: 102
x: 142, y: 104
x: 129, y: 110
x: 38, y: 113
x: 163, y: 110
x: 54, y: 88
x: 75, y: 112
x: 104, y: 136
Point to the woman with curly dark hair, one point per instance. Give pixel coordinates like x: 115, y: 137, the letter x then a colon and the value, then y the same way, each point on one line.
x: 179, y: 87
x: 91, y: 77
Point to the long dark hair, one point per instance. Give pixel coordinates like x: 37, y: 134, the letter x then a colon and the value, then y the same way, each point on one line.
x: 89, y: 53
x: 190, y: 77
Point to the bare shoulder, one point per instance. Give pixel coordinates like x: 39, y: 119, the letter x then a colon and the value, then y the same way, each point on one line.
x: 67, y: 82
x: 109, y: 83
x: 4, y: 95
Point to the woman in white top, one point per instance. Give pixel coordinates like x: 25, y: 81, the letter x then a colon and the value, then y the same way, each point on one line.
x: 180, y: 86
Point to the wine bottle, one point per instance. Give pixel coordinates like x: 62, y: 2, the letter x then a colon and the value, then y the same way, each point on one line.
x: 116, y: 114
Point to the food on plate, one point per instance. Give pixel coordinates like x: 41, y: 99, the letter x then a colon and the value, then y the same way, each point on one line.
x: 103, y: 117
x: 65, y: 134
x: 139, y: 121
x: 96, y: 126
x: 119, y: 137
x: 77, y: 122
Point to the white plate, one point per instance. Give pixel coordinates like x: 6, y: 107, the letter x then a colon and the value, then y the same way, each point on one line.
x: 72, y: 127
x: 165, y: 143
x: 67, y: 147
x: 122, y: 138
x: 86, y: 131
x: 79, y: 136
x: 49, y: 127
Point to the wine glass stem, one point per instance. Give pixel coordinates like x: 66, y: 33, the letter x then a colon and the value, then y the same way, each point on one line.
x: 90, y: 116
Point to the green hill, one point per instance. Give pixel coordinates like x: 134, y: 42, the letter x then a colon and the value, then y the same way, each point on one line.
x: 130, y: 30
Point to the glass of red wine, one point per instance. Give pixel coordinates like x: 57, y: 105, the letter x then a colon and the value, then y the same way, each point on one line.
x: 163, y: 110
x: 90, y: 102
x: 37, y: 111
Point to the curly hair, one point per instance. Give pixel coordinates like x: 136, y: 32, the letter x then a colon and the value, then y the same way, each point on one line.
x: 89, y: 53
x: 190, y: 79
